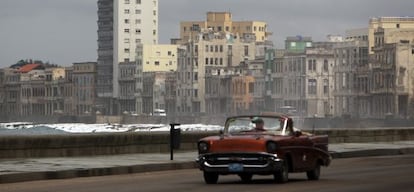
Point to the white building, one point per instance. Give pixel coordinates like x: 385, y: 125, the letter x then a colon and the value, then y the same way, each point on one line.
x: 122, y: 25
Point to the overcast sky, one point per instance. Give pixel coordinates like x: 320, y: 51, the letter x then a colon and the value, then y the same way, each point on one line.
x: 64, y: 31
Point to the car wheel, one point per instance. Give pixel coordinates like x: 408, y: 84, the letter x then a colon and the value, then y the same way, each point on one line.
x: 246, y: 177
x: 210, y: 178
x: 315, y: 173
x: 282, y: 176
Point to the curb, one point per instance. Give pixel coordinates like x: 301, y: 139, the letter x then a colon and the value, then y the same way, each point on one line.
x: 74, y: 173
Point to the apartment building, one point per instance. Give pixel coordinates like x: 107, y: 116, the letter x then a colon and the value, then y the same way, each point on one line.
x: 351, y: 78
x: 151, y: 58
x: 387, y: 23
x: 319, y: 79
x: 209, y: 54
x: 392, y: 68
x: 84, y: 82
x: 122, y: 25
x: 223, y: 22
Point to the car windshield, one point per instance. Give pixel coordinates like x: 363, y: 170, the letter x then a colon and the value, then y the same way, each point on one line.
x: 242, y: 125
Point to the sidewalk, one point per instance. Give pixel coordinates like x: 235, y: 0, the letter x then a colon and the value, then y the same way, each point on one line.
x: 18, y: 170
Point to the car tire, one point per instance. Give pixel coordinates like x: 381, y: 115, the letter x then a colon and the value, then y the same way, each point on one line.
x: 246, y: 177
x: 315, y: 173
x: 282, y: 176
x: 210, y: 178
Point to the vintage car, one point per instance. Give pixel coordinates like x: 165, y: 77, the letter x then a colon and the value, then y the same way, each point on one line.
x: 262, y: 145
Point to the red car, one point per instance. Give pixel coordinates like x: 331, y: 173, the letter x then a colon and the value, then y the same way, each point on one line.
x: 262, y: 145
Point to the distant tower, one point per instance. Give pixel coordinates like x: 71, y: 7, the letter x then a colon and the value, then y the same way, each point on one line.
x: 122, y: 25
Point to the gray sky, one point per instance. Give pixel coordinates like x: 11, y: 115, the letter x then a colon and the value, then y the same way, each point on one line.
x: 64, y: 31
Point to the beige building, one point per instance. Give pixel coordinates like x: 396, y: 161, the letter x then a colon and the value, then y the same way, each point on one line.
x: 319, y: 79
x: 84, y: 84
x: 392, y: 73
x: 387, y: 23
x: 223, y: 22
x: 151, y: 58
x: 209, y: 54
x: 159, y: 57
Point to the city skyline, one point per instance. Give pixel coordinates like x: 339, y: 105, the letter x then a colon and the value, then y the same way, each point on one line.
x: 64, y: 32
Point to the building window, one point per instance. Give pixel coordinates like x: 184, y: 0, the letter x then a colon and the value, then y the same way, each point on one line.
x: 126, y: 21
x: 126, y: 11
x: 154, y: 32
x: 126, y: 1
x: 312, y: 86
x: 138, y: 1
x: 221, y: 48
x: 206, y: 61
x: 126, y: 40
x: 398, y: 25
x: 126, y: 50
x: 246, y: 50
x: 137, y: 40
x: 219, y: 28
x: 169, y: 53
x: 154, y: 12
x: 137, y: 21
x: 325, y: 65
x: 138, y: 11
x: 206, y: 48
x: 325, y: 86
x: 138, y: 31
x: 156, y: 63
x: 126, y: 30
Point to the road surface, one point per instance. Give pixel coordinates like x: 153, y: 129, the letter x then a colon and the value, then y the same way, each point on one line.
x: 381, y: 173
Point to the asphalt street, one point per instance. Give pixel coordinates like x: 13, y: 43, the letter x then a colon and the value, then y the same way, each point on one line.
x: 375, y: 173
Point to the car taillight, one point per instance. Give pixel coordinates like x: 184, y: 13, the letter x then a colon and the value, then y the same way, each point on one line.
x: 203, y: 147
x: 271, y: 147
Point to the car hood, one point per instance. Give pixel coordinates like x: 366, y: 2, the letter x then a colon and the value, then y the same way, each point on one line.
x: 240, y: 143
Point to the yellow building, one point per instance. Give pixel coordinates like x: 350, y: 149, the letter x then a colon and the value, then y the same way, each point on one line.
x: 387, y: 23
x: 159, y: 58
x: 222, y: 21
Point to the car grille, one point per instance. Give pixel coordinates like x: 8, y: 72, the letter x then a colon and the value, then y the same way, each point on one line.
x: 243, y: 158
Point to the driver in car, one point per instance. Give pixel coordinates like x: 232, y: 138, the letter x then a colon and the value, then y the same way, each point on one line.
x: 259, y: 124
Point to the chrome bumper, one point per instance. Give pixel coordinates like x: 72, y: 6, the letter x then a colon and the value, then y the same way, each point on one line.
x: 255, y: 163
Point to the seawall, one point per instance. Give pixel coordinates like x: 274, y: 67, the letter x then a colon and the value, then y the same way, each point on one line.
x: 152, y: 142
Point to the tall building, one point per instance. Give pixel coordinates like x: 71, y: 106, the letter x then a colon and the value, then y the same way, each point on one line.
x: 122, y: 25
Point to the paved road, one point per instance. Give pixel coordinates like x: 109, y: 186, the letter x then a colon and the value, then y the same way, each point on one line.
x: 379, y: 173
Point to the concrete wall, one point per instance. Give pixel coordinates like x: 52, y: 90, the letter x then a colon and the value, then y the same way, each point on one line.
x: 154, y: 142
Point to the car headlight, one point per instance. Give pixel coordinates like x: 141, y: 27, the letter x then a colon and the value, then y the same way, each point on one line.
x: 271, y: 147
x: 203, y: 147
